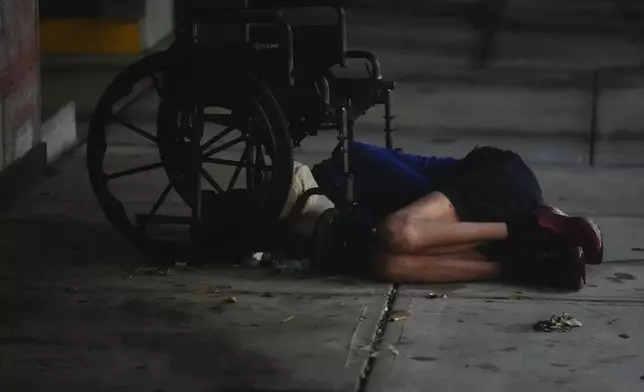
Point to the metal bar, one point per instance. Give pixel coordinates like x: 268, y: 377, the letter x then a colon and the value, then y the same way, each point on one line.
x: 250, y: 158
x: 344, y: 148
x: 484, y: 47
x: 133, y: 171
x: 196, y: 125
x: 133, y: 128
x: 223, y: 147
x: 389, y: 130
x: 211, y: 181
x: 233, y: 179
x: 594, y: 113
x: 342, y: 22
x: 350, y: 175
x: 216, y: 138
x: 156, y: 206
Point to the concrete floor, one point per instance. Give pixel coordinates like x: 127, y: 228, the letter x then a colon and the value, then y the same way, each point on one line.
x: 82, y: 310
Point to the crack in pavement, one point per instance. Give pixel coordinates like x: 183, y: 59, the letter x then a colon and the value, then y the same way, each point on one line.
x: 377, y: 341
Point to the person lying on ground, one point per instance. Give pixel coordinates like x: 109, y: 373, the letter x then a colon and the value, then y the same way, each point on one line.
x: 434, y: 219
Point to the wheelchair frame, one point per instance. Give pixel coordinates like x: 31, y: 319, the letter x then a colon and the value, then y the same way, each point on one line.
x: 255, y: 36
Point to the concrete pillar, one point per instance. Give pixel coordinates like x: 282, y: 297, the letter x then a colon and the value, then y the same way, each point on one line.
x: 19, y: 80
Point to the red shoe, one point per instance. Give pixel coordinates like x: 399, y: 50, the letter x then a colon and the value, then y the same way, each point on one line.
x: 583, y: 232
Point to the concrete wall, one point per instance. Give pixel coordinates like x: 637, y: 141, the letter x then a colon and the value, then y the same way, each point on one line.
x: 118, y: 9
x: 19, y: 80
x: 158, y: 22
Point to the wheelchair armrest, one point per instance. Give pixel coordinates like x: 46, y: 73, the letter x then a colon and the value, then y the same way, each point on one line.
x: 370, y: 57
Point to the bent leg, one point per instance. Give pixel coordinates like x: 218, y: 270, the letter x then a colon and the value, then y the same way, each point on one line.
x: 458, y: 267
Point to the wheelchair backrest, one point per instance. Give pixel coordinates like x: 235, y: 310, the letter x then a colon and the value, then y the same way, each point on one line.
x: 273, y: 37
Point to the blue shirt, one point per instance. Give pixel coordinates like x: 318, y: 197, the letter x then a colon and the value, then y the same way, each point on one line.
x: 387, y: 180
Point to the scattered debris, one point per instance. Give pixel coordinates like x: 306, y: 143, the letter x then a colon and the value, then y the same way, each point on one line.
x: 399, y: 315
x: 231, y: 300
x: 153, y: 271
x: 286, y: 320
x: 216, y: 289
x: 624, y: 336
x: 267, y: 295
x: 292, y: 266
x: 393, y: 349
x: 433, y: 295
x: 519, y: 297
x: 563, y: 323
x: 612, y: 321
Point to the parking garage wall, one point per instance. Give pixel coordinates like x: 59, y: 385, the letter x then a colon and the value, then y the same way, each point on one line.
x: 19, y: 80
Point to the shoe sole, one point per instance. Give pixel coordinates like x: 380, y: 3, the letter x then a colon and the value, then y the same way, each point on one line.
x: 600, y: 254
x: 573, y: 274
x: 581, y: 262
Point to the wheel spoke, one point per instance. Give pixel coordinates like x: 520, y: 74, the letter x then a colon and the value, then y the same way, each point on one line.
x: 238, y: 170
x: 250, y: 167
x: 225, y: 162
x: 157, y: 83
x: 156, y: 206
x: 238, y: 164
x: 259, y: 161
x: 134, y: 170
x: 211, y: 181
x: 224, y: 146
x: 260, y: 157
x: 134, y: 128
x: 216, y: 138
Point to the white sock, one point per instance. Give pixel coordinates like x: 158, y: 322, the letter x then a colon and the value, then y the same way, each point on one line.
x: 304, y: 223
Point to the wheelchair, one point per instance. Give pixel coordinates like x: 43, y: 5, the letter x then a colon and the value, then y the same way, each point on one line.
x: 267, y: 83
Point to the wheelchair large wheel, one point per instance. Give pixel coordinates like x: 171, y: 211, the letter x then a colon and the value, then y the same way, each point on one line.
x: 250, y: 158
